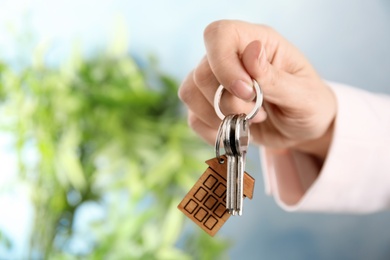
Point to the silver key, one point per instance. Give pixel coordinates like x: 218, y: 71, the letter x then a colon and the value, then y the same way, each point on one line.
x: 234, y: 132
x: 231, y: 176
x: 241, y: 147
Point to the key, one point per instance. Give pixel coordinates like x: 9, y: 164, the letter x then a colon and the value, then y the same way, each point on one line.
x: 228, y: 141
x: 241, y: 147
x: 219, y: 192
x: 236, y: 160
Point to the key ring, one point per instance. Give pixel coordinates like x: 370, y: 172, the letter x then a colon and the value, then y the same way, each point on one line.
x: 259, y: 101
x: 219, y: 139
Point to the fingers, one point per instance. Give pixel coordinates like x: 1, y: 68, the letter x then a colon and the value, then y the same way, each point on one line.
x: 234, y: 56
x: 279, y: 87
x: 224, y: 44
x: 197, y: 92
x: 205, y: 80
x: 201, y: 115
x: 194, y: 99
x: 238, y: 51
x: 206, y: 132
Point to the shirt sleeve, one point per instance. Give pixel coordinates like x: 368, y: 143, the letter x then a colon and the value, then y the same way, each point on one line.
x: 355, y: 176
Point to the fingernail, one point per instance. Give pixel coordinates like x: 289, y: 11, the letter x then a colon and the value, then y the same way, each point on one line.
x: 243, y: 90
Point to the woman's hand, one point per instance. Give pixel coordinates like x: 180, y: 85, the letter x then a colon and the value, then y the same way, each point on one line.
x: 298, y: 108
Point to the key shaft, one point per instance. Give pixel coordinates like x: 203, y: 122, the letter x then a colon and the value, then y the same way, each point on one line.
x: 229, y: 135
x: 241, y: 147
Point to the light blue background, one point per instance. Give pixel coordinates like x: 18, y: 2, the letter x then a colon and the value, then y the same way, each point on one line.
x: 347, y: 41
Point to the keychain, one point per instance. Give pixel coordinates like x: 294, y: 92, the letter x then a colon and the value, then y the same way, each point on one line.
x: 220, y: 191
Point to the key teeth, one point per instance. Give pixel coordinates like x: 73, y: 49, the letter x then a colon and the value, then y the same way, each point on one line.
x: 233, y: 212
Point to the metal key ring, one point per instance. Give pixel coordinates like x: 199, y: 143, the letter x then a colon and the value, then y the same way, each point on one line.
x: 219, y: 139
x: 259, y: 101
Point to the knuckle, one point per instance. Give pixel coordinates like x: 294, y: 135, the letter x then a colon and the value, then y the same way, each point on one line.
x: 214, y: 28
x: 202, y: 75
x: 186, y: 90
x: 193, y: 121
x: 185, y: 94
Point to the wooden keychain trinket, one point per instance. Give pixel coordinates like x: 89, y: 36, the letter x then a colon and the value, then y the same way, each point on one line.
x: 205, y: 203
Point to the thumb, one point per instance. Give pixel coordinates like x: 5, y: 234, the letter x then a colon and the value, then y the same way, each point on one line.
x: 276, y: 84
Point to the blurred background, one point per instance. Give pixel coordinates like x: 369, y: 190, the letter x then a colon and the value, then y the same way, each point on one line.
x: 95, y: 153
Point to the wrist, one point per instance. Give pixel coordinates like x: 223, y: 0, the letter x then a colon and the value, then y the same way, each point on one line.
x: 318, y: 147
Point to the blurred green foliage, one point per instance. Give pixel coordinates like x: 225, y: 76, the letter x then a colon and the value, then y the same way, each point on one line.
x: 107, y: 155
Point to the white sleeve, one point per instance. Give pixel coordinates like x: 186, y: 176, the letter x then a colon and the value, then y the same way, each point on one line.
x: 355, y: 176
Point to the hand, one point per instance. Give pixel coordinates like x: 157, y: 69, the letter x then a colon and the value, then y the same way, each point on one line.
x: 298, y: 108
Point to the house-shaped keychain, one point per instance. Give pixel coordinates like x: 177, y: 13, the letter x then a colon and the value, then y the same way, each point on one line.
x: 205, y: 203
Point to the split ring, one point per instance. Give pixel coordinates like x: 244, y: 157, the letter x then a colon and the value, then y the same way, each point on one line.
x: 259, y: 101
